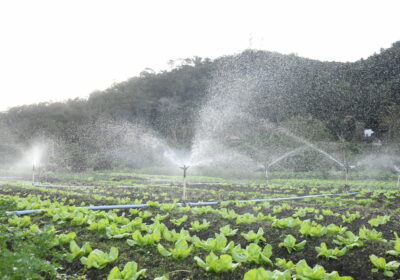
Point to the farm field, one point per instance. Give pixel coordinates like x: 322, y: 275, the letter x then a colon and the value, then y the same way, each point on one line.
x: 348, y: 234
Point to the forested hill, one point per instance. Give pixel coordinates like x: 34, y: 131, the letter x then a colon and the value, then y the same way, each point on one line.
x: 343, y: 96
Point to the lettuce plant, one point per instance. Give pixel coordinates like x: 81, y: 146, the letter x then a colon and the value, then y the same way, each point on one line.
x: 227, y: 214
x: 167, y: 207
x: 144, y: 240
x: 180, y: 251
x: 350, y: 217
x: 218, y: 244
x: 246, y: 218
x: 253, y: 254
x: 217, y: 264
x: 145, y: 214
x: 371, y: 235
x: 179, y: 221
x: 113, y: 231
x: 290, y: 244
x: 261, y: 273
x: 335, y: 229
x: 288, y: 222
x: 130, y: 272
x: 227, y: 231
x: 379, y: 220
x: 350, y: 241
x: 381, y: 265
x: 173, y: 236
x: 305, y: 272
x: 312, y: 229
x: 77, y: 251
x: 159, y: 218
x: 335, y: 253
x: 268, y: 218
x: 251, y: 236
x: 396, y: 251
x: 196, y: 226
x: 99, y: 226
x: 99, y: 259
x: 284, y: 264
x: 80, y: 219
x: 20, y: 222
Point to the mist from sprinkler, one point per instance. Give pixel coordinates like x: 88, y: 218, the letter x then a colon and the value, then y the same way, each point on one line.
x: 280, y: 158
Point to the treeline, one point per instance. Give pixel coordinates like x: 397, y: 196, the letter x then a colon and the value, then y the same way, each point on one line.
x: 344, y: 97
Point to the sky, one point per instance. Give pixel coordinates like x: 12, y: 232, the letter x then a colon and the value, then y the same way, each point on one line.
x: 53, y: 50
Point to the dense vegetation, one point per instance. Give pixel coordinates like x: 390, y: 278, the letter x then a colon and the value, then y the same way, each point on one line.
x: 341, y: 98
x: 349, y: 236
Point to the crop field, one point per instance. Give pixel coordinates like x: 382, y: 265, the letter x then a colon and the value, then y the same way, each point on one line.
x: 348, y: 233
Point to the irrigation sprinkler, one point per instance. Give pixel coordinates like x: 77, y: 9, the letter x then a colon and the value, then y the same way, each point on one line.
x: 184, y: 168
x: 266, y: 166
x: 33, y: 173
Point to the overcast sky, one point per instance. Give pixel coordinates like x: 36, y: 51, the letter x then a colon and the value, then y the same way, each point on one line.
x: 55, y: 50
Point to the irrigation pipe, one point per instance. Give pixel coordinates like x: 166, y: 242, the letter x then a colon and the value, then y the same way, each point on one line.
x: 132, y: 206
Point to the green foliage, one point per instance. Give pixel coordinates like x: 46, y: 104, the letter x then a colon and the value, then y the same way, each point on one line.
x: 130, y: 272
x: 173, y: 236
x: 180, y: 251
x: 381, y: 265
x: 76, y: 251
x: 290, y: 244
x: 179, y: 221
x: 251, y: 236
x: 253, y: 254
x: 246, y: 218
x: 371, y: 235
x: 197, y: 226
x: 305, y: 272
x: 227, y: 231
x: 262, y: 274
x: 379, y: 220
x: 218, y: 244
x: 217, y: 264
x: 396, y: 251
x: 335, y: 253
x: 144, y: 240
x: 335, y: 229
x: 113, y: 231
x: 227, y: 214
x: 350, y: 217
x: 24, y: 254
x: 20, y: 222
x: 288, y: 222
x: 312, y: 229
x: 99, y: 259
x: 284, y: 264
x: 350, y: 241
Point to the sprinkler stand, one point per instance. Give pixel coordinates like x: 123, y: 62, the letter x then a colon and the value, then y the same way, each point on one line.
x: 33, y: 173
x: 184, y: 168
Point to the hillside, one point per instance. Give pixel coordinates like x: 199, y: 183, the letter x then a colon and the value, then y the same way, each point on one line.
x: 344, y: 97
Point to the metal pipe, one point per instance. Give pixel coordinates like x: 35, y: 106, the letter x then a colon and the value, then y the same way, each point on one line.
x: 184, y: 168
x: 33, y: 173
x: 130, y: 206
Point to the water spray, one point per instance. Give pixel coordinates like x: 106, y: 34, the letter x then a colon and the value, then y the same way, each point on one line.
x: 184, y: 168
x: 282, y: 157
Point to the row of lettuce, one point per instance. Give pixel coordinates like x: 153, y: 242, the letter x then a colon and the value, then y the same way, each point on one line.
x: 224, y: 255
